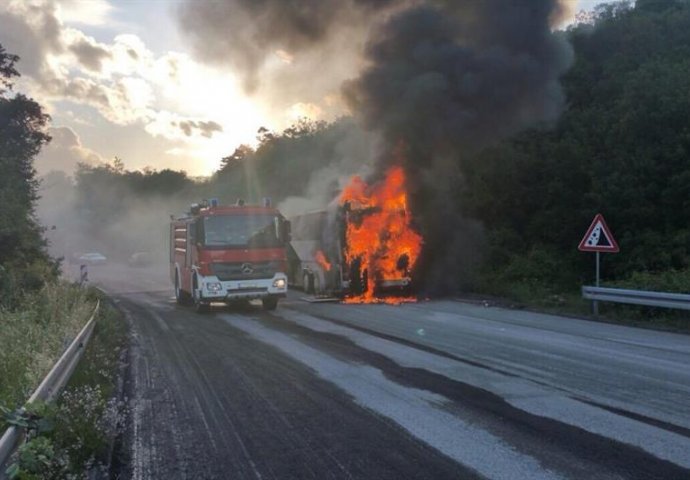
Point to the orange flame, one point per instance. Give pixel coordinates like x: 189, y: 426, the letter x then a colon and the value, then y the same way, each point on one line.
x: 322, y: 261
x: 379, y: 234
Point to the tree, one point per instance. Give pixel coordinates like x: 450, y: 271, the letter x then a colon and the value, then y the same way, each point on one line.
x: 236, y: 159
x: 24, y: 262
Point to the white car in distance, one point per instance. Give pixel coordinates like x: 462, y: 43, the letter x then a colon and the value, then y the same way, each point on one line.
x: 94, y: 258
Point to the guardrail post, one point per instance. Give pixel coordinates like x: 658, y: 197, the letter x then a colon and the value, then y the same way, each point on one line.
x: 84, y: 274
x: 595, y: 303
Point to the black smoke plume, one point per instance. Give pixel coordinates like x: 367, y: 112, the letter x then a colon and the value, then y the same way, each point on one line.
x: 444, y: 80
x: 440, y: 86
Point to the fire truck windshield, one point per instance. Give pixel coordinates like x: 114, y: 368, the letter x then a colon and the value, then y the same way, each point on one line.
x: 255, y: 231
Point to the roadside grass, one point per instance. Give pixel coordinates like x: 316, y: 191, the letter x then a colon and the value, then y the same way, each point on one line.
x: 82, y: 422
x: 35, y: 333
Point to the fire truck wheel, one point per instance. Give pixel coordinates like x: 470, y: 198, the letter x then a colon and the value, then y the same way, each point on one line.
x: 199, y: 305
x: 269, y: 303
x: 181, y: 296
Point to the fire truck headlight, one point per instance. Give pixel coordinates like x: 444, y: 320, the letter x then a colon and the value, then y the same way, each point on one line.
x: 279, y: 283
x: 214, y: 287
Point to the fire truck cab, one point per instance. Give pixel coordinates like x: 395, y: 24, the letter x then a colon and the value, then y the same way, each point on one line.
x: 229, y: 254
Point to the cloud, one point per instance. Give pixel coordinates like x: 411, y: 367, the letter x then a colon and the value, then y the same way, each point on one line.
x: 32, y: 33
x: 60, y: 62
x: 122, y: 80
x: 89, y: 54
x: 124, y: 101
x: 82, y: 90
x: 92, y: 12
x: 205, y: 129
x: 64, y: 152
x: 176, y: 127
x: 47, y: 49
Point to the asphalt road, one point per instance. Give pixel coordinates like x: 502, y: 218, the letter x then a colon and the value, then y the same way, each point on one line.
x: 435, y: 390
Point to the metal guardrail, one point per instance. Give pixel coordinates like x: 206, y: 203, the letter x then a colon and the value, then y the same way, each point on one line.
x: 51, y: 385
x: 637, y: 297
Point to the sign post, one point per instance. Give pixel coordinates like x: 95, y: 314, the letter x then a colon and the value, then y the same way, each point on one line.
x: 598, y: 239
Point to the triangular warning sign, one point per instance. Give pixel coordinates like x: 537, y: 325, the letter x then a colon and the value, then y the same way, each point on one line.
x: 598, y: 237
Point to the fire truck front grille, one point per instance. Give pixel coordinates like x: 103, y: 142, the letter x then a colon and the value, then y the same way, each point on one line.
x: 244, y: 270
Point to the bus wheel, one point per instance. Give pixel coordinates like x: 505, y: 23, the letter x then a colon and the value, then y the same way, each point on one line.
x: 316, y: 283
x: 308, y: 283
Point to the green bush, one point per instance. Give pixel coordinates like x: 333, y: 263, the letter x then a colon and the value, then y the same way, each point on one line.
x: 538, y: 274
x: 674, y: 281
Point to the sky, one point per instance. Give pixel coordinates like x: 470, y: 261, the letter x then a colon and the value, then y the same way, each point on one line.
x: 128, y: 79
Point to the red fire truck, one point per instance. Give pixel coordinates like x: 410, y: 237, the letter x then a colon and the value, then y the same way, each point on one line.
x: 228, y: 254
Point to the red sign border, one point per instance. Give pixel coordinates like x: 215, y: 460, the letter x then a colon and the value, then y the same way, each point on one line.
x: 614, y: 248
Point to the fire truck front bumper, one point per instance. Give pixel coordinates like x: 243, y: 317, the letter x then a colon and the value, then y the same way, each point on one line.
x: 228, y: 290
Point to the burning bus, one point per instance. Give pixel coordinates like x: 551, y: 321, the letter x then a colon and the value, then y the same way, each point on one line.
x: 364, y: 248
